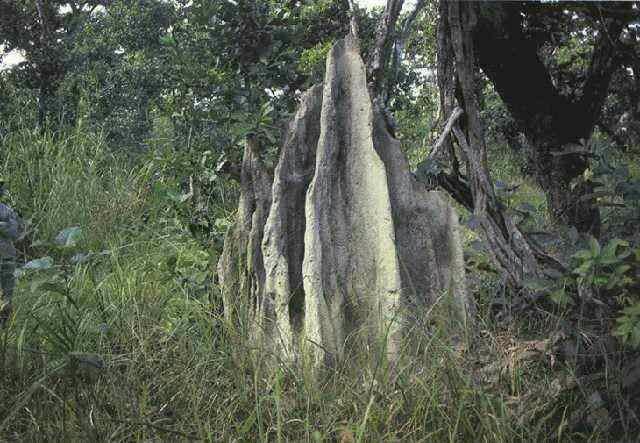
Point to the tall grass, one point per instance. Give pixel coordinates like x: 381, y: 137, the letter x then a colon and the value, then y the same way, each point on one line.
x: 72, y: 179
x: 129, y: 345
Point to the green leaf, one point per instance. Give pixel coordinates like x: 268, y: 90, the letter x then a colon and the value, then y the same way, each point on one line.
x: 168, y: 40
x: 582, y: 254
x: 601, y: 280
x: 584, y: 268
x: 624, y: 255
x: 80, y: 257
x: 628, y: 325
x: 622, y: 269
x: 633, y: 310
x: 69, y: 237
x: 607, y: 261
x: 594, y: 246
x: 248, y: 424
x: 49, y: 286
x: 526, y: 207
x: 609, y: 251
x: 39, y: 264
x: 623, y: 328
x: 560, y: 297
x: 537, y: 284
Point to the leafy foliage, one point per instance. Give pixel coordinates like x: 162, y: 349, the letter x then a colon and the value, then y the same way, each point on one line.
x: 602, y: 267
x: 612, y: 271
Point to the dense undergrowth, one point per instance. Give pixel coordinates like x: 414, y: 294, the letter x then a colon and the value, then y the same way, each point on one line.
x: 118, y: 334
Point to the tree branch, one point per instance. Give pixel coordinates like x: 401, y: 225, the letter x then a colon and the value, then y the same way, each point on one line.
x: 453, y: 118
x: 385, y: 36
x: 604, y: 62
x: 398, y: 48
x: 353, y: 18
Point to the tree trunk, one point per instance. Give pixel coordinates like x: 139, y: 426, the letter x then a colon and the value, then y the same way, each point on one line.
x: 354, y: 249
x: 552, y: 122
x: 569, y: 200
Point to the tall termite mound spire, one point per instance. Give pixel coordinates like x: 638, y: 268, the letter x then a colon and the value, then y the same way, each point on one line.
x: 342, y: 243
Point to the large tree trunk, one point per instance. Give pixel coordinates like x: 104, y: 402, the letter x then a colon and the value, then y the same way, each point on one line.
x: 554, y: 123
x: 569, y: 201
x: 354, y: 250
